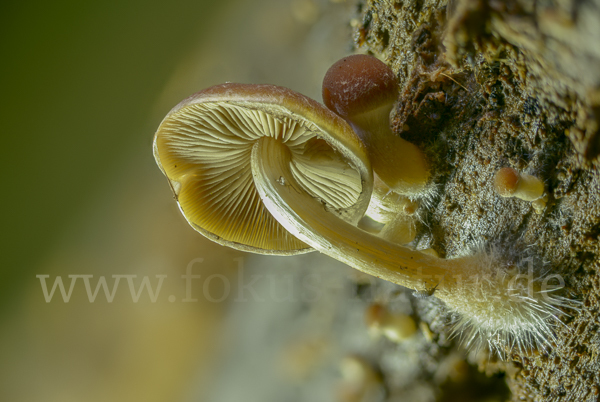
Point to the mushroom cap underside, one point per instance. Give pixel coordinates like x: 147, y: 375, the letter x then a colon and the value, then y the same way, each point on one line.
x: 204, y: 147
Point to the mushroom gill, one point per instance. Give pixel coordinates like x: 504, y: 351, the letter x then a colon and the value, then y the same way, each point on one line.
x: 205, y: 150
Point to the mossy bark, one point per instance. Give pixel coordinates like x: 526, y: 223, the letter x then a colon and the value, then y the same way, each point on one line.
x: 489, y: 84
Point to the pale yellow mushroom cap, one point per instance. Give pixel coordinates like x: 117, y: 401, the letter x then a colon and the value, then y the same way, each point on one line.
x: 204, y: 146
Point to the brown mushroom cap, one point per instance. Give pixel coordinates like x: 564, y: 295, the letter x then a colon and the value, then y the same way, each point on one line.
x: 357, y: 84
x: 204, y: 145
x: 363, y: 90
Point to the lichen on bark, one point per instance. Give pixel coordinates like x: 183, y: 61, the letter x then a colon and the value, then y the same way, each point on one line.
x: 489, y: 84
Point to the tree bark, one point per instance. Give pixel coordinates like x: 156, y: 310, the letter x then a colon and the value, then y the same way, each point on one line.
x: 487, y: 84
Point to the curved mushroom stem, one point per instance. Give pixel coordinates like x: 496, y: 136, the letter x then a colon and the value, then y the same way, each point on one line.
x: 310, y: 221
x: 495, y: 304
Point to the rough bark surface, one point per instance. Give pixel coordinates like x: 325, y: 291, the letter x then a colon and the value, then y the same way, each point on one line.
x: 488, y: 84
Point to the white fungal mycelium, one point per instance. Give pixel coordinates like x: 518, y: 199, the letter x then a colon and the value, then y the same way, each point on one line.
x: 510, y: 303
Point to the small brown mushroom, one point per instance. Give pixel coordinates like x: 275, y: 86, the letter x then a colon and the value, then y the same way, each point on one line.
x: 363, y: 90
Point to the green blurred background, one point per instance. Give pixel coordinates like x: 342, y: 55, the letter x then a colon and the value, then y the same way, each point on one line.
x: 79, y: 81
x: 84, y: 86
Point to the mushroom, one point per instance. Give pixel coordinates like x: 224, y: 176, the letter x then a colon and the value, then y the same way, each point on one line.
x: 204, y: 146
x: 265, y: 169
x: 509, y: 182
x: 363, y: 90
x: 262, y: 168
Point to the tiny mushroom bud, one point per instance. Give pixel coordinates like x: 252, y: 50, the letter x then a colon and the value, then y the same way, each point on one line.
x: 509, y: 182
x: 363, y: 90
x: 395, y: 327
